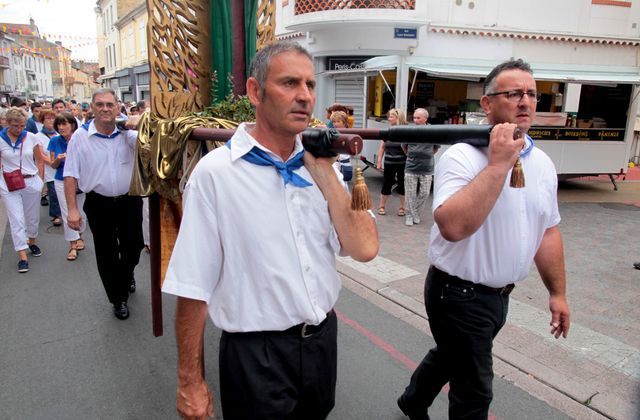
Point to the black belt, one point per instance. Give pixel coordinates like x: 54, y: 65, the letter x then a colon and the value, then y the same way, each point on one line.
x: 106, y: 197
x: 441, y: 276
x: 305, y: 330
x: 27, y: 176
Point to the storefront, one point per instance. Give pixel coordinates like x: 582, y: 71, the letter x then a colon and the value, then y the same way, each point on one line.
x: 582, y: 117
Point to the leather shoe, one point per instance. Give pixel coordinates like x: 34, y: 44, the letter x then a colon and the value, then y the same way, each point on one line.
x: 132, y: 285
x: 121, y: 310
x: 402, y: 404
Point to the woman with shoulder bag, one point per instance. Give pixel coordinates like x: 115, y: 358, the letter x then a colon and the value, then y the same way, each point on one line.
x: 21, y: 184
x: 66, y: 124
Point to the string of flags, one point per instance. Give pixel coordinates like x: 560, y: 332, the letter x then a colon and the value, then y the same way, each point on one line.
x: 26, y: 30
x: 37, y: 52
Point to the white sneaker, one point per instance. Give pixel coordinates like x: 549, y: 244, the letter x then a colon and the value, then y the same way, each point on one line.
x: 408, y: 221
x: 416, y: 220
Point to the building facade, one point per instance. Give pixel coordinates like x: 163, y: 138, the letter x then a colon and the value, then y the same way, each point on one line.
x: 124, y: 59
x: 31, y: 67
x: 376, y: 54
x: 108, y: 42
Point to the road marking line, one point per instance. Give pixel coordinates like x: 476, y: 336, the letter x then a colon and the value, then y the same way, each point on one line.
x: 585, y: 342
x: 388, y: 348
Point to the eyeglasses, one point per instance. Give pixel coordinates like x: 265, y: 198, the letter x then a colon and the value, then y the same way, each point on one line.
x: 517, y: 95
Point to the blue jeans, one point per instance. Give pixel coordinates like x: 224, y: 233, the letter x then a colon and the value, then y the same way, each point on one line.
x: 464, y: 321
x: 54, y: 206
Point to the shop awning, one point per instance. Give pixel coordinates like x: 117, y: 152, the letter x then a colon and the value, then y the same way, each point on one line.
x: 476, y: 70
x: 351, y: 72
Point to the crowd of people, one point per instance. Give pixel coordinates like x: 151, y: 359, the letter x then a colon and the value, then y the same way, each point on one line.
x: 47, y: 160
x: 270, y: 219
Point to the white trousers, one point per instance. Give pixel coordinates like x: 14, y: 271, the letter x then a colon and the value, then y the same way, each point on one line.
x: 70, y: 234
x: 416, y: 191
x: 23, y: 211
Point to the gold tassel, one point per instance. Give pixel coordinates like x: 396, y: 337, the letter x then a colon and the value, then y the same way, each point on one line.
x: 360, y: 198
x: 517, y: 175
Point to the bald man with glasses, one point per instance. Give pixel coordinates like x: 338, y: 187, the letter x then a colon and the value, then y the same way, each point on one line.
x: 485, y: 238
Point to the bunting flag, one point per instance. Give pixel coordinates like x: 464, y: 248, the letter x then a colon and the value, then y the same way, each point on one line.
x: 25, y: 30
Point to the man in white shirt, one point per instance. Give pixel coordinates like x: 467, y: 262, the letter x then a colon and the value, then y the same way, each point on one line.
x: 485, y: 237
x: 256, y: 252
x: 100, y: 161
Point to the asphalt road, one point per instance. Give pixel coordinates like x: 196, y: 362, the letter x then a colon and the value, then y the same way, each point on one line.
x: 64, y: 356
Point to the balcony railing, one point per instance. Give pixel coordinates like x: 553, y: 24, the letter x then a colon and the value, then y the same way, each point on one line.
x: 310, y: 6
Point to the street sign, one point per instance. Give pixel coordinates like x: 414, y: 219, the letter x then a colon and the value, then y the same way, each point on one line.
x: 406, y: 33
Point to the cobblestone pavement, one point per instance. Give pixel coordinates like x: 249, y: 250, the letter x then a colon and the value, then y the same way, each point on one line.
x: 599, y: 363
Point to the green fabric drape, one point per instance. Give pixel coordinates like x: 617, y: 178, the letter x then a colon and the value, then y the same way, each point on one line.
x: 221, y: 45
x: 250, y: 32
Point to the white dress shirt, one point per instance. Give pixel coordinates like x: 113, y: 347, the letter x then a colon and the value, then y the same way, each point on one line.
x: 501, y: 251
x: 260, y: 253
x: 102, y: 165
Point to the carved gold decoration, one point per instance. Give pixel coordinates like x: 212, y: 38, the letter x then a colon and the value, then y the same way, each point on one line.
x: 179, y: 56
x: 266, y: 23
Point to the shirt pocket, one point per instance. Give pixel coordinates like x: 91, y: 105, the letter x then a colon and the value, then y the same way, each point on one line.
x: 320, y: 226
x: 125, y: 157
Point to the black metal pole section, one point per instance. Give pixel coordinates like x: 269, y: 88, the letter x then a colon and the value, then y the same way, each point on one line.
x: 156, y: 264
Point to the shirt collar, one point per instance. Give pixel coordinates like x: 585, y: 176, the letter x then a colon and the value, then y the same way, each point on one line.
x: 91, y: 129
x: 243, y: 142
x: 528, y: 146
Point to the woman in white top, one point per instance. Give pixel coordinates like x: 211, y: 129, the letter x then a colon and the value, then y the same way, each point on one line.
x: 47, y: 132
x: 21, y: 151
x: 66, y: 125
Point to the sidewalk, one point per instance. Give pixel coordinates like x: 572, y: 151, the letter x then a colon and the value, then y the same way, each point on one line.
x: 598, y: 365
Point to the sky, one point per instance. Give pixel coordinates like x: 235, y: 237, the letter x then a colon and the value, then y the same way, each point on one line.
x: 73, y: 22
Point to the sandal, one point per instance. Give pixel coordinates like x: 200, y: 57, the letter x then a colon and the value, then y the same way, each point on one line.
x: 57, y: 221
x: 72, y: 255
x: 401, y: 211
x: 80, y: 244
x: 381, y: 211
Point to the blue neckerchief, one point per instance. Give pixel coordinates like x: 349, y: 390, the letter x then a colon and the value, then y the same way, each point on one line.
x: 48, y: 132
x: 524, y: 152
x: 7, y: 139
x: 260, y: 157
x: 102, y: 136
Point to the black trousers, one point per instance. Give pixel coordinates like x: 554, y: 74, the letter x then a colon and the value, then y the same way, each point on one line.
x: 393, y: 173
x: 464, y: 322
x: 116, y: 225
x: 278, y: 375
